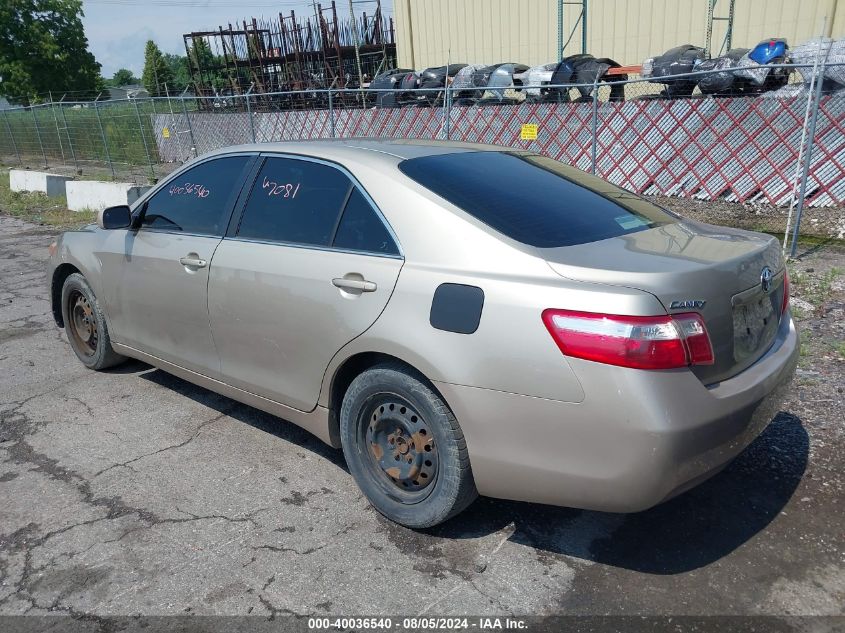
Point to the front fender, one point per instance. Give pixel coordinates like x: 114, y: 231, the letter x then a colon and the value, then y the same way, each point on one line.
x: 75, y: 252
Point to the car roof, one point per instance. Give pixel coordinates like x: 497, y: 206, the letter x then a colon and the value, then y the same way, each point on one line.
x: 364, y: 149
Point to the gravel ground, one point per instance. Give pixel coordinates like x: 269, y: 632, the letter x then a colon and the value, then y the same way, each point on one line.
x: 130, y: 491
x: 825, y: 222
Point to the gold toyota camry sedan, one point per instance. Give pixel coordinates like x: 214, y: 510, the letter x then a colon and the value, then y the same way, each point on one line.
x: 461, y: 319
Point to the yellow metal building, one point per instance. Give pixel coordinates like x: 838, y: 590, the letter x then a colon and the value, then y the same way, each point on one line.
x: 432, y: 32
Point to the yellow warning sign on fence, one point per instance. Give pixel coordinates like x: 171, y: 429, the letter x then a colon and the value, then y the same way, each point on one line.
x: 166, y: 133
x: 528, y: 132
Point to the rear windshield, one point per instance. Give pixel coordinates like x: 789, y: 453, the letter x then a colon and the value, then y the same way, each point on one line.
x: 534, y: 199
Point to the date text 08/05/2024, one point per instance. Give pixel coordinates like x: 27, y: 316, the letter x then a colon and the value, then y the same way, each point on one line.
x: 430, y: 623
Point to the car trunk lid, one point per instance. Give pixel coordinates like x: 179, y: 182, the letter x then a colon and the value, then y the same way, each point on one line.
x: 693, y: 267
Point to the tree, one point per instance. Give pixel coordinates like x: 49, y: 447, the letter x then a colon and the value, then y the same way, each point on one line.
x: 157, y: 77
x: 178, y: 65
x: 43, y: 48
x: 206, y: 67
x: 123, y: 77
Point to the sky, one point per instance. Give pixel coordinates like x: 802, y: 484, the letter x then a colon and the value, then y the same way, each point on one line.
x: 117, y: 30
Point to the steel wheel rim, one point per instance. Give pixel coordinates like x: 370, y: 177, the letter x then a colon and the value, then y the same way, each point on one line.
x: 400, y: 448
x: 82, y: 323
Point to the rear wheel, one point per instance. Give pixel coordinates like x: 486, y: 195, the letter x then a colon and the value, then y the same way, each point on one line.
x: 85, y: 325
x: 405, y: 448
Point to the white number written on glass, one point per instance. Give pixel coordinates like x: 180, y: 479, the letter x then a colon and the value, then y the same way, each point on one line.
x: 190, y: 189
x: 286, y: 190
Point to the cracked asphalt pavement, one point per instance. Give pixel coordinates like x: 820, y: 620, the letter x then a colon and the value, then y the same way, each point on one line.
x: 133, y: 492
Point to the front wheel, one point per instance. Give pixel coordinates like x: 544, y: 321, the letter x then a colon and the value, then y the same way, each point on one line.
x: 85, y: 325
x: 405, y: 448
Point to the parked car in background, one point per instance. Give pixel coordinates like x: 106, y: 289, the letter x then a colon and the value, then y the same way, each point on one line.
x: 460, y: 319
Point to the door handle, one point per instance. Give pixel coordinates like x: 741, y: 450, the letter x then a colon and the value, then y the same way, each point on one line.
x: 193, y: 262
x: 354, y: 284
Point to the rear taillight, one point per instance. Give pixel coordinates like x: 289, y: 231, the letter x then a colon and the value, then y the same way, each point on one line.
x: 653, y: 342
x: 785, y: 303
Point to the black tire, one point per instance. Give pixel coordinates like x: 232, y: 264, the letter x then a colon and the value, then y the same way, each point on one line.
x: 85, y: 325
x: 431, y: 480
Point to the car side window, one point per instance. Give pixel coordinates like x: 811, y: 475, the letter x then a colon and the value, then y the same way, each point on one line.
x: 295, y: 201
x: 361, y: 228
x: 197, y: 201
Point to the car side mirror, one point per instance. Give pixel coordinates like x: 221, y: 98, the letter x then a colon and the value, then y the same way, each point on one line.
x: 119, y: 217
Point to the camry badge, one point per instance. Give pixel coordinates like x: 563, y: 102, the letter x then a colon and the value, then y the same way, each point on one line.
x: 698, y: 304
x: 766, y: 278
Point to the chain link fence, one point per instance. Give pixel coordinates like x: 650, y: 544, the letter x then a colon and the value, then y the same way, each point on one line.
x: 764, y: 159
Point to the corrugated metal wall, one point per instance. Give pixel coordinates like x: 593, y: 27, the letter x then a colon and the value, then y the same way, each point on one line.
x: 430, y: 32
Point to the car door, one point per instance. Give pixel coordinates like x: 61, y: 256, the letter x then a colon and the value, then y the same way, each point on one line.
x: 310, y: 266
x: 158, y: 271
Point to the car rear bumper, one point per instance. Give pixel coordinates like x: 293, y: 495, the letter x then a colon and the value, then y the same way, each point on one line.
x: 638, y: 437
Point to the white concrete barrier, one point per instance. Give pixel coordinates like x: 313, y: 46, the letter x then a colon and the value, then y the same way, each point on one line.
x: 26, y: 180
x: 95, y: 195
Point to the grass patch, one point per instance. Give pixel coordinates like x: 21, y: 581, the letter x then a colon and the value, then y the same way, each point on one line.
x: 38, y: 208
x: 798, y: 313
x: 817, y: 289
x: 823, y: 290
x: 805, y: 352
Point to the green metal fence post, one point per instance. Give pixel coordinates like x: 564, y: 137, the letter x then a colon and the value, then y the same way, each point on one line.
x: 12, y: 136
x: 38, y: 134
x: 103, y: 134
x: 144, y: 139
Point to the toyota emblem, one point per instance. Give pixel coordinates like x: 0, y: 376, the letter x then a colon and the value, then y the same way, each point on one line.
x: 766, y: 278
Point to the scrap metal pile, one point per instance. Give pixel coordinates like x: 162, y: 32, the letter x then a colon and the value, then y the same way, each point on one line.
x: 291, y: 54
x: 681, y: 72
x: 327, y: 61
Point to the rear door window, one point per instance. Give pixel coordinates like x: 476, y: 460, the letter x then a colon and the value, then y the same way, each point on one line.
x: 362, y: 229
x: 534, y: 199
x: 199, y: 200
x: 295, y: 201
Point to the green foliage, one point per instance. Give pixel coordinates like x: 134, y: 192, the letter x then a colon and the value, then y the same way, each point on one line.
x: 127, y: 126
x: 157, y: 77
x: 201, y: 55
x: 207, y: 67
x: 123, y: 77
x: 178, y: 65
x: 43, y: 48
